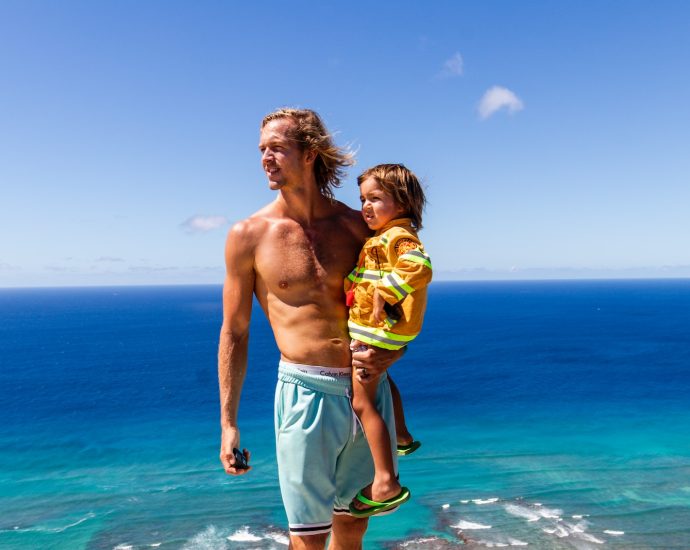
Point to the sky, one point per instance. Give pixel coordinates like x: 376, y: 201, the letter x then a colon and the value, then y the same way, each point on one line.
x: 552, y: 138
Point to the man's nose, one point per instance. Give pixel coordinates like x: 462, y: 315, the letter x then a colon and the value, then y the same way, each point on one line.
x: 266, y: 155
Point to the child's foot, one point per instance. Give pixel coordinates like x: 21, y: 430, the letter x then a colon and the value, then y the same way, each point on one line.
x: 382, y: 493
x: 404, y: 450
x: 404, y: 439
x: 406, y: 443
x: 364, y: 505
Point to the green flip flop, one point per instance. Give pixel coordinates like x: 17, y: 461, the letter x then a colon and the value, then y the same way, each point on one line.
x: 404, y: 450
x: 378, y: 507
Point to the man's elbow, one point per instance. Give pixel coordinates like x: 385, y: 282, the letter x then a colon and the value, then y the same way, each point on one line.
x: 233, y: 335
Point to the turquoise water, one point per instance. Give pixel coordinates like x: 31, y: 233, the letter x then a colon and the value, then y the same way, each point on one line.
x: 552, y: 415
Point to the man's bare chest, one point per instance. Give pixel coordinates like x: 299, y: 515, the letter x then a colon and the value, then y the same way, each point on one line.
x: 295, y: 258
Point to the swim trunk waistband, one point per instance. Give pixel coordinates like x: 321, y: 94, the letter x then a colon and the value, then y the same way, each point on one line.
x: 332, y: 380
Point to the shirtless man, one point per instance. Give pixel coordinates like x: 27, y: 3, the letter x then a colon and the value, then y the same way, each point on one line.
x: 293, y: 255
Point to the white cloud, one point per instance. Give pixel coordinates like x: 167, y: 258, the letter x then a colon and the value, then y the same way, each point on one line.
x: 109, y: 259
x: 497, y: 98
x: 4, y: 266
x: 453, y: 66
x: 202, y: 224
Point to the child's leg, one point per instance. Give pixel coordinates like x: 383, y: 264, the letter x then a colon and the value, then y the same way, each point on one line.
x: 385, y: 484
x: 402, y: 434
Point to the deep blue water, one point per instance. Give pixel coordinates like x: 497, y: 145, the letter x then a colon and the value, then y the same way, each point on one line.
x: 553, y: 414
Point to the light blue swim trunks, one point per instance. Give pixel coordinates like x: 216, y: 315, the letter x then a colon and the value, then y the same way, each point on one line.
x: 323, y: 456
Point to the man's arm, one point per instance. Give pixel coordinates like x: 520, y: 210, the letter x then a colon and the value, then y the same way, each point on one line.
x: 238, y: 291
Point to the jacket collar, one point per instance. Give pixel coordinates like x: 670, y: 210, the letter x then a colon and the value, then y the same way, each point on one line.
x: 397, y: 222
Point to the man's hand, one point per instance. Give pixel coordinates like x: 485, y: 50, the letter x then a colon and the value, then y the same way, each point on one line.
x: 370, y: 362
x: 230, y: 440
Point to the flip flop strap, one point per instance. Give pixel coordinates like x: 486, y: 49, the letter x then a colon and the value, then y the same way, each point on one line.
x: 368, y: 501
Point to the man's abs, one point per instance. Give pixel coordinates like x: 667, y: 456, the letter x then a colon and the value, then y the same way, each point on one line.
x: 299, y: 283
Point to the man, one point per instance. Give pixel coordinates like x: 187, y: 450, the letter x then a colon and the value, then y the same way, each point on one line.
x: 293, y: 254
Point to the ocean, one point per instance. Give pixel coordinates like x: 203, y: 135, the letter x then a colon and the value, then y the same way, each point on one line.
x: 553, y: 415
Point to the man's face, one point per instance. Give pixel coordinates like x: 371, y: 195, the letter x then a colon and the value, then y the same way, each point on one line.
x: 281, y: 158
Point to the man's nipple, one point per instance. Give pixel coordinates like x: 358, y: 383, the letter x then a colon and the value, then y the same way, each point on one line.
x: 283, y: 284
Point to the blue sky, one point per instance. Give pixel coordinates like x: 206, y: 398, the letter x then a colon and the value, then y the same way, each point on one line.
x: 553, y: 136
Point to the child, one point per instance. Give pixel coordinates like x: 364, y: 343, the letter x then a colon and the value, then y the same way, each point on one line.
x: 387, y: 298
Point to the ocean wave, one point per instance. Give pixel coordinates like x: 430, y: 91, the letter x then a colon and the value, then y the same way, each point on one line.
x: 533, y: 513
x: 243, y: 535
x: 614, y: 533
x: 469, y: 525
x: 42, y: 529
x: 208, y: 539
x: 213, y: 538
x: 280, y: 538
x: 481, y: 501
x: 426, y: 543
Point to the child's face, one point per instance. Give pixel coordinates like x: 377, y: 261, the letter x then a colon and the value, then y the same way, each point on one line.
x: 378, y: 207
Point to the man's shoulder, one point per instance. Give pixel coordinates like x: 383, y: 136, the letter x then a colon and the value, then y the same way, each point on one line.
x: 257, y: 223
x: 352, y: 219
x: 245, y: 235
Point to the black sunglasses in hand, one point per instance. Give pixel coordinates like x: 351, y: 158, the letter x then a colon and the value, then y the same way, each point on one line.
x: 240, y: 460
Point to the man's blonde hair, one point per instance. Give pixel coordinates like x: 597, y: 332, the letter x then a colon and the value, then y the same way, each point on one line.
x: 310, y: 133
x: 401, y: 184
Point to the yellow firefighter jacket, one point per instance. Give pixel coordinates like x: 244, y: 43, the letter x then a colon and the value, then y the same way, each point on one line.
x: 394, y: 263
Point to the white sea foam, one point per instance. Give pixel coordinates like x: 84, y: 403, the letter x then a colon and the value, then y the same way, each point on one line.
x: 522, y: 512
x: 416, y: 542
x: 493, y: 544
x: 580, y: 527
x: 280, y: 538
x: 591, y: 538
x: 469, y: 526
x: 481, y: 501
x: 243, y: 535
x: 531, y: 514
x: 614, y: 533
x: 123, y: 547
x: 208, y: 539
x: 445, y: 506
x: 558, y: 530
x: 501, y: 542
x: 155, y: 545
x: 465, y: 501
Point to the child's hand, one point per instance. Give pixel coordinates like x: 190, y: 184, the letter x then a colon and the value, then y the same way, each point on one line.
x: 379, y: 311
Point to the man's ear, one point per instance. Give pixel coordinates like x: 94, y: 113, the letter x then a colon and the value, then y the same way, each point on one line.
x: 310, y: 155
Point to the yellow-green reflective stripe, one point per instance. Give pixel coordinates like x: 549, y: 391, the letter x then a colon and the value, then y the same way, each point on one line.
x: 368, y: 275
x: 378, y: 336
x: 422, y: 259
x: 396, y: 284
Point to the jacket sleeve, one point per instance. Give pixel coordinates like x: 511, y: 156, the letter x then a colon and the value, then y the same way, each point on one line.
x: 355, y: 275
x: 411, y: 269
